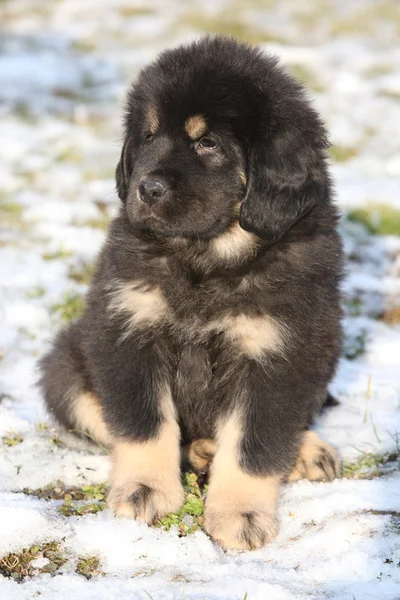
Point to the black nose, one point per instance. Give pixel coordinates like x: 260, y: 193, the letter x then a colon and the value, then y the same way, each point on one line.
x: 151, y: 190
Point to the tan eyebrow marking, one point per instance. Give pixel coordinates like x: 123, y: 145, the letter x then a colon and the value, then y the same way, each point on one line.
x: 152, y: 119
x: 195, y: 126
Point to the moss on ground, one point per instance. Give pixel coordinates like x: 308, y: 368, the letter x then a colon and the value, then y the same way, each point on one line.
x: 60, y: 253
x: 69, y: 508
x: 36, y: 292
x: 76, y: 501
x: 70, y: 308
x: 379, y: 219
x: 89, y: 566
x: 19, y: 565
x: 190, y: 518
x: 82, y: 273
x: 369, y: 465
x: 354, y: 346
x: 342, y: 153
x: 58, y: 490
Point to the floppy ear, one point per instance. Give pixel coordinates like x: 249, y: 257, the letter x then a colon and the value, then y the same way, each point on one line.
x: 287, y: 177
x: 124, y: 170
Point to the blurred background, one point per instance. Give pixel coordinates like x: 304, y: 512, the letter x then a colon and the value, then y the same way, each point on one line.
x: 64, y: 68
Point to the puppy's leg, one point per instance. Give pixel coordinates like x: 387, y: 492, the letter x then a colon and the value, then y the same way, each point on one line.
x: 317, y: 460
x: 145, y: 479
x: 240, y: 506
x: 66, y: 390
x: 132, y: 411
x: 133, y: 382
x: 268, y: 407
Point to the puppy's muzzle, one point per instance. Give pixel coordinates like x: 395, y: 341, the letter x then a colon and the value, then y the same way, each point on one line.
x: 152, y: 190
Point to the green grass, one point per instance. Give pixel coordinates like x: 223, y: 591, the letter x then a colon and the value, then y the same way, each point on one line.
x: 12, y: 440
x: 343, y: 153
x: 70, y: 308
x: 36, y: 292
x: 134, y: 11
x: 306, y: 75
x: 379, y: 219
x: 60, y: 253
x: 10, y: 208
x: 10, y: 213
x: 353, y: 307
x: 230, y: 22
x: 378, y: 70
x: 99, y: 223
x: 84, y: 45
x: 69, y: 155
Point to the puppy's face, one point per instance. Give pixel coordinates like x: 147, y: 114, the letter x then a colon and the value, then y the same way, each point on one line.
x: 188, y: 176
x: 217, y: 132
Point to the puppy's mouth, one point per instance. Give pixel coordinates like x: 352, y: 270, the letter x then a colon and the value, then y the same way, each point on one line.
x: 151, y: 219
x: 150, y: 215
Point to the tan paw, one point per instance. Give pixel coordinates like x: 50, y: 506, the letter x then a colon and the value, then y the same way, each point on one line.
x: 317, y: 460
x: 247, y: 530
x: 199, y: 454
x: 145, y: 503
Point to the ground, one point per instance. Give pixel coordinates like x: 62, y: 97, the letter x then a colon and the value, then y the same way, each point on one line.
x: 63, y: 68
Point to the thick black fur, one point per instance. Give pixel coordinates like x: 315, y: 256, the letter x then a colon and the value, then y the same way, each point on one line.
x: 263, y: 125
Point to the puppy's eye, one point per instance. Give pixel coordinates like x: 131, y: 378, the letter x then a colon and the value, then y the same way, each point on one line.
x: 207, y: 144
x: 148, y: 137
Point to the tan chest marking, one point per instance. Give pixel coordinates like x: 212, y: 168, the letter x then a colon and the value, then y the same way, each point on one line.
x: 235, y: 244
x: 255, y: 335
x: 144, y: 305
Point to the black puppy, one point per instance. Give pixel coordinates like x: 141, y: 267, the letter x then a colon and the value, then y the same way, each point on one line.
x: 214, y: 311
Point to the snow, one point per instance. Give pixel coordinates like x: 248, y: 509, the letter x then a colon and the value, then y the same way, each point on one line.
x: 63, y: 69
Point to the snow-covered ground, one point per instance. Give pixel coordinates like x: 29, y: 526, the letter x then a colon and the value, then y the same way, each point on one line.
x: 64, y: 65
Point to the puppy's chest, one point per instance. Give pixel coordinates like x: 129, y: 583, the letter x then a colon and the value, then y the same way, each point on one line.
x: 211, y: 314
x: 199, y: 312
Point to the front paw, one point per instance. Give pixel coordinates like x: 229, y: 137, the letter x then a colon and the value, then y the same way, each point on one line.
x: 145, y: 503
x: 242, y: 530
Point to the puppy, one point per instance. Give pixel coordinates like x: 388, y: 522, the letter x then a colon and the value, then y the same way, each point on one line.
x: 214, y: 313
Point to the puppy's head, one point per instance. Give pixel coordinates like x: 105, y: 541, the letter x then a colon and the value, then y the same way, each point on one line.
x: 216, y: 132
